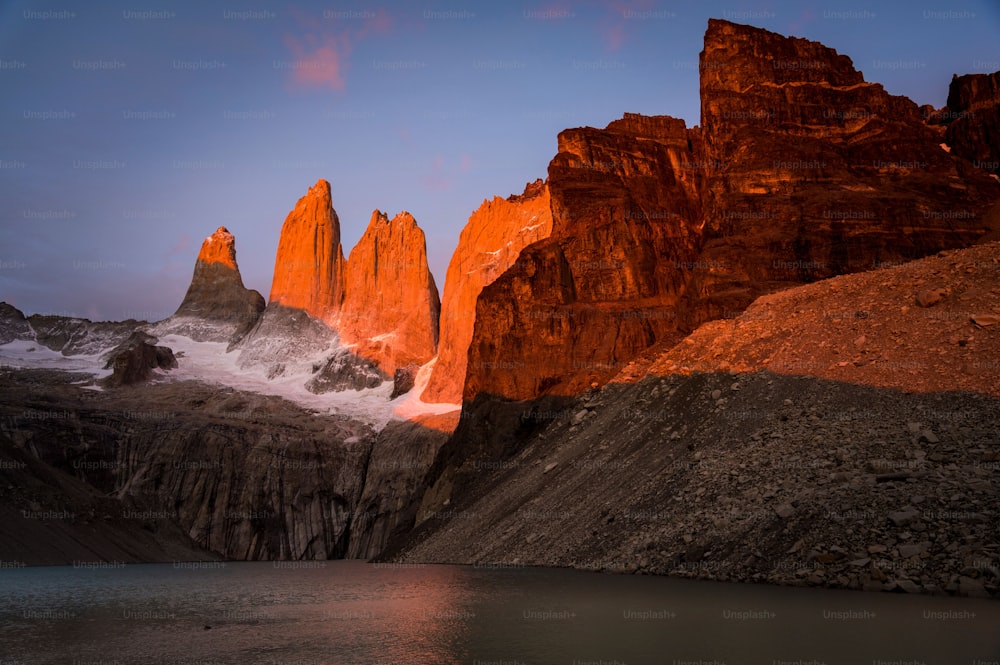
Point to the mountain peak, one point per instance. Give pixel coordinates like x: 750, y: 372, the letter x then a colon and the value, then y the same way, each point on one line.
x: 220, y: 247
x: 309, y: 265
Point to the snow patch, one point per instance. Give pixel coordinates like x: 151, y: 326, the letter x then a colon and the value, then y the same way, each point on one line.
x: 29, y: 354
x: 410, y: 405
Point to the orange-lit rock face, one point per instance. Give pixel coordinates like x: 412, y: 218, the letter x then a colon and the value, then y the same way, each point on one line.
x: 220, y: 247
x: 309, y: 266
x: 490, y: 243
x: 391, y: 305
x: 576, y: 305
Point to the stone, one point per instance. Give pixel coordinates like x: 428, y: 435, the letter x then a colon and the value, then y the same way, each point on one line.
x: 984, y: 320
x: 403, y: 380
x: 784, y: 510
x: 134, y: 360
x: 904, y: 517
x: 907, y: 551
x: 930, y: 297
x: 973, y: 588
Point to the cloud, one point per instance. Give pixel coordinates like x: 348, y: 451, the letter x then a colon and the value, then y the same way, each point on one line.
x: 318, y: 61
x: 321, y: 49
x: 614, y: 28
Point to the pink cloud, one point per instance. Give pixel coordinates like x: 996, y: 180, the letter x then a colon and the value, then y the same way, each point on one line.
x: 318, y: 62
x: 466, y: 163
x: 322, y: 49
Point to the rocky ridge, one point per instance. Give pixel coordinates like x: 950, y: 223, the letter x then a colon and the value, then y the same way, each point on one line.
x: 799, y: 171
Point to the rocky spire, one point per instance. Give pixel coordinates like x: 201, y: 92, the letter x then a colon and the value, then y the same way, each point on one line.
x: 309, y: 266
x: 391, y: 305
x: 216, y: 306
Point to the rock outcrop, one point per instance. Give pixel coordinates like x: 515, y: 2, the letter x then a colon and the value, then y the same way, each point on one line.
x: 799, y: 171
x: 973, y: 119
x: 13, y: 324
x: 217, y: 307
x: 134, y: 360
x: 309, y: 265
x: 489, y: 244
x: 391, y: 306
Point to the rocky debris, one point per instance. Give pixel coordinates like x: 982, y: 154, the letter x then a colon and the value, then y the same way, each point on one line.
x: 735, y: 457
x: 345, y: 371
x: 799, y: 171
x: 930, y: 297
x: 973, y: 119
x: 309, y: 265
x: 13, y: 325
x: 490, y: 242
x: 403, y: 380
x: 910, y: 348
x: 134, y: 360
x: 217, y: 307
x: 391, y: 307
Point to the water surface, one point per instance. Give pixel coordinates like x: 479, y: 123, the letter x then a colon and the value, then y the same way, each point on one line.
x: 345, y: 612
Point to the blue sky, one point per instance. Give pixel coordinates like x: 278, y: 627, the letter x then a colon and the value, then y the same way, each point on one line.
x: 131, y: 131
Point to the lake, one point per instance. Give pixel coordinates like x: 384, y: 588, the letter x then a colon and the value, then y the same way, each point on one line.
x: 348, y: 612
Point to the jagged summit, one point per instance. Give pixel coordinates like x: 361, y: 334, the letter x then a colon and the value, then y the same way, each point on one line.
x: 217, y: 306
x: 391, y: 304
x: 220, y: 247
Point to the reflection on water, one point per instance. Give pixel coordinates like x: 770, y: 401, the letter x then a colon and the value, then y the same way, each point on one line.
x: 343, y: 612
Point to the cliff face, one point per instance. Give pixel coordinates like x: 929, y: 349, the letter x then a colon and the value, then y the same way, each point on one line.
x: 800, y: 171
x: 391, y: 306
x: 576, y: 305
x: 489, y: 244
x: 216, y: 307
x: 236, y: 474
x: 813, y: 172
x: 973, y: 115
x: 309, y: 266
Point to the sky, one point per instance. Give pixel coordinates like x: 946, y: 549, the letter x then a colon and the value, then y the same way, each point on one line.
x: 131, y: 130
